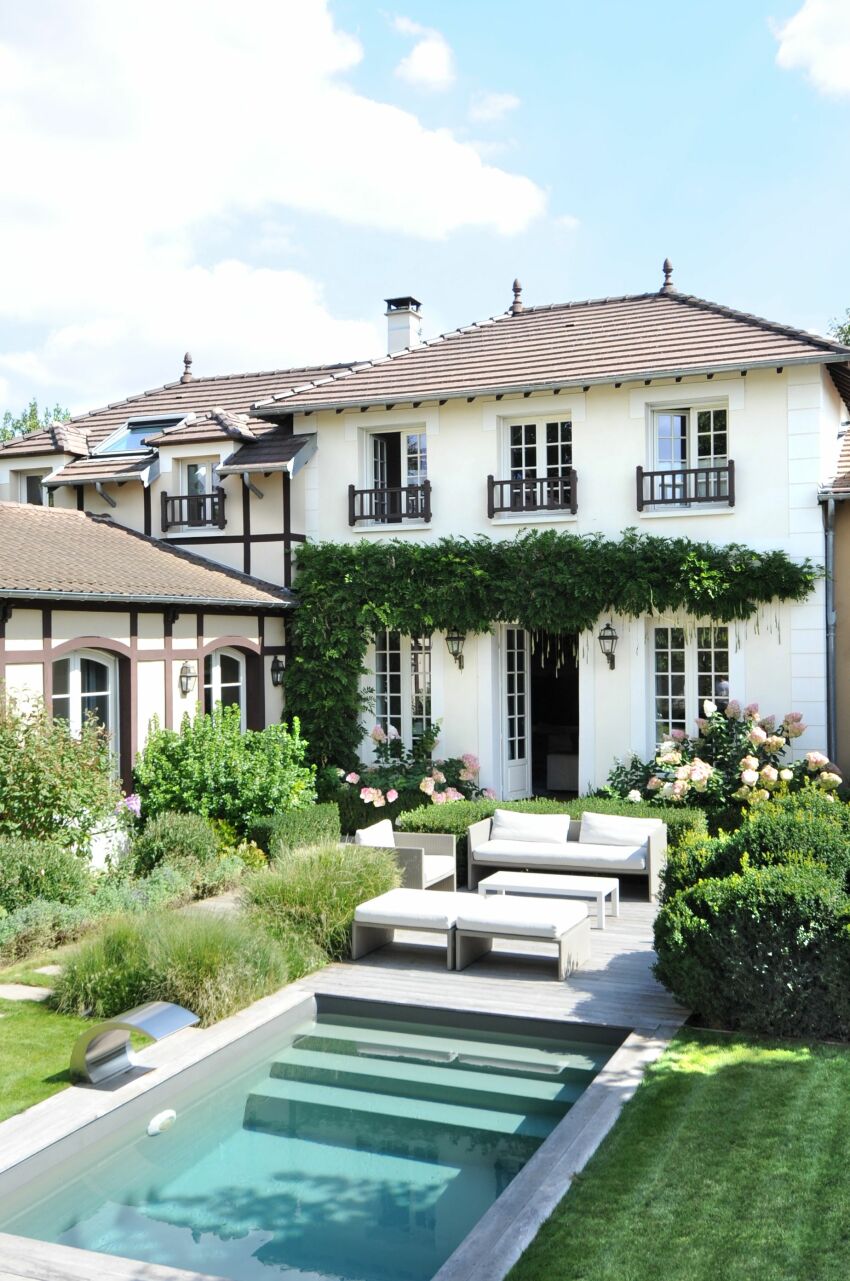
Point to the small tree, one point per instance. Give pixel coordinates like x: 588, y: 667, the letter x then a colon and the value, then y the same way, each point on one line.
x: 840, y: 329
x: 53, y: 786
x: 31, y: 419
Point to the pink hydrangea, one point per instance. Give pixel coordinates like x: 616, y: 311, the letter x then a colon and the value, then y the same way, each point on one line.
x: 489, y: 793
x: 752, y: 709
x: 378, y: 799
x: 471, y: 762
x: 733, y: 710
x: 392, y: 795
x: 352, y: 777
x: 795, y: 729
x: 816, y: 760
x: 768, y: 723
x: 439, y: 798
x: 750, y: 777
x: 438, y: 776
x: 392, y: 733
x: 654, y: 783
x: 769, y: 775
x: 377, y: 735
x: 132, y: 803
x: 678, y: 735
x: 427, y: 786
x: 679, y: 789
x: 775, y: 743
x: 748, y: 762
x: 757, y: 736
x: 701, y: 723
x: 786, y: 775
x: 453, y: 794
x: 465, y: 776
x: 367, y: 794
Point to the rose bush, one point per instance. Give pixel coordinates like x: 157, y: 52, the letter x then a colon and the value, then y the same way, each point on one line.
x: 736, y: 755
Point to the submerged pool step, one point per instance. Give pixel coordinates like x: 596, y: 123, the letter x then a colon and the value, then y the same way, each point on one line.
x: 342, y: 1038
x: 440, y: 1083
x: 380, y: 1122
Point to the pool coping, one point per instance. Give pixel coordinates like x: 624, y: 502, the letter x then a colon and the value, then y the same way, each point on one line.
x: 487, y: 1253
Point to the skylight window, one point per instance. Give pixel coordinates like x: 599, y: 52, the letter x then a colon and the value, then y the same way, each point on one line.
x: 129, y: 438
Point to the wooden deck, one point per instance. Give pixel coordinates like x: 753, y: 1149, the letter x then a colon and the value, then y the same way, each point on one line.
x: 615, y: 988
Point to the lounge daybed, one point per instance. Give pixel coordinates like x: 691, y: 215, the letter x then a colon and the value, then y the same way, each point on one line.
x: 470, y: 923
x: 605, y: 844
x: 427, y: 860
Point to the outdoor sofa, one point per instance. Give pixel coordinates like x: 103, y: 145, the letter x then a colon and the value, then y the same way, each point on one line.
x: 427, y: 860
x: 606, y: 844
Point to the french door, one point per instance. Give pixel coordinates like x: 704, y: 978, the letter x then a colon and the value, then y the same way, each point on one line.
x: 516, y: 715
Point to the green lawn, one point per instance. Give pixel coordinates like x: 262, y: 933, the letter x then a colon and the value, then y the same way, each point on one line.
x: 35, y: 1047
x: 730, y: 1162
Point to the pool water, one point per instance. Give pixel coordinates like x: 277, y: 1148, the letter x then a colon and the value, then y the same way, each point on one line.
x: 359, y: 1149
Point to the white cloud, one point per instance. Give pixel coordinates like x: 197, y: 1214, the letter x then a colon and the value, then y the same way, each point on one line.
x: 132, y: 130
x: 430, y: 63
x: 816, y: 40
x: 486, y: 107
x: 567, y: 222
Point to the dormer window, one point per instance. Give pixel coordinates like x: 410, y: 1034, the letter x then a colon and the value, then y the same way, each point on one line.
x: 130, y: 436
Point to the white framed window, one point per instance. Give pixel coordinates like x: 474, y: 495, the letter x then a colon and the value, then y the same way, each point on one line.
x: 85, y: 684
x: 516, y: 693
x: 539, y: 449
x: 224, y: 680
x: 31, y: 488
x: 686, y: 440
x: 403, y: 688
x: 396, y: 470
x: 687, y: 670
x: 199, y: 476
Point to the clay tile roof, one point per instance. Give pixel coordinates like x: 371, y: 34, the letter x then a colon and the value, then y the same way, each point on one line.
x: 599, y: 341
x: 230, y: 393
x: 272, y: 452
x: 841, y: 482
x: 51, y: 553
x: 211, y: 425
x: 108, y: 467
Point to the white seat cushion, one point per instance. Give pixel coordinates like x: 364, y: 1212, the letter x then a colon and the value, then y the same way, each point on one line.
x: 409, y: 909
x: 612, y: 829
x: 572, y: 854
x: 511, y: 825
x: 378, y: 835
x: 436, y: 867
x: 527, y: 917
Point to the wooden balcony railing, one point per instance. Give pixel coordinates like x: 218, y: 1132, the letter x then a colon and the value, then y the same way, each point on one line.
x: 389, y: 504
x: 533, y: 494
x: 193, y: 511
x: 687, y: 486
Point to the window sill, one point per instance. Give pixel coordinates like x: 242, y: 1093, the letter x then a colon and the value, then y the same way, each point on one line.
x: 687, y: 513
x: 181, y: 531
x: 533, y: 518
x: 391, y: 528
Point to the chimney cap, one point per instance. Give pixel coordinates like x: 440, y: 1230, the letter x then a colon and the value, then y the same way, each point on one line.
x: 405, y: 303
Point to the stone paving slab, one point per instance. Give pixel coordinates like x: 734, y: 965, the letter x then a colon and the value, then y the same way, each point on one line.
x: 23, y: 992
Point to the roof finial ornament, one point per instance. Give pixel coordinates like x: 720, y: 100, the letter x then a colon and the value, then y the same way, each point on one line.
x: 186, y: 376
x: 516, y: 305
x: 668, y: 287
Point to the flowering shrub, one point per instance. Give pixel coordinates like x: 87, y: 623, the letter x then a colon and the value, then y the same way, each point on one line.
x: 736, y: 755
x: 401, y: 774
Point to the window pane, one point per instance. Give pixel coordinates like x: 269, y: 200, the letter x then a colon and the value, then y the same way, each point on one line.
x: 229, y: 669
x: 94, y: 676
x: 713, y: 666
x: 61, y: 677
x: 62, y: 707
x: 230, y: 695
x: 388, y: 705
x: 420, y: 685
x: 97, y: 704
x: 34, y: 491
x: 669, y: 656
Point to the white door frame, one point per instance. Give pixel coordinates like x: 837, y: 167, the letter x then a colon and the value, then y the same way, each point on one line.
x: 515, y: 773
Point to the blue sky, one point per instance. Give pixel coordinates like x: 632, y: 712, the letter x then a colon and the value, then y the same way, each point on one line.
x: 302, y: 159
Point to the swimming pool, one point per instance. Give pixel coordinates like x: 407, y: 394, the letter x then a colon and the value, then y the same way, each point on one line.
x: 353, y: 1141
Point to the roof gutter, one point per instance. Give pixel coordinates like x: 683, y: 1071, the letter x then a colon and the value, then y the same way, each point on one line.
x: 290, y: 405
x: 186, y: 602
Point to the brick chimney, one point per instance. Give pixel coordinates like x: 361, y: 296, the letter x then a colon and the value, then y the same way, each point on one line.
x: 404, y: 323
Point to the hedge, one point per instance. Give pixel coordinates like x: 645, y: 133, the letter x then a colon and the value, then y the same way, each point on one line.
x: 764, y: 951
x: 31, y: 870
x: 313, y: 825
x: 455, y: 816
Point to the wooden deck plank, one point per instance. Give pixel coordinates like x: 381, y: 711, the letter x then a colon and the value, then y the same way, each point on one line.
x: 615, y: 988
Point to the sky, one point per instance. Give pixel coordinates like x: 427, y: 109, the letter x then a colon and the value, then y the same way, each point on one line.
x: 250, y: 181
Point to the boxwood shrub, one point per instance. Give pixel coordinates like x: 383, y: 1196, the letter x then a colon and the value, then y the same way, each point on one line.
x: 172, y: 837
x: 312, y: 825
x: 31, y: 870
x: 766, y: 950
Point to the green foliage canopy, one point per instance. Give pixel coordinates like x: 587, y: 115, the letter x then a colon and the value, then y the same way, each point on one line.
x: 543, y: 581
x: 30, y: 419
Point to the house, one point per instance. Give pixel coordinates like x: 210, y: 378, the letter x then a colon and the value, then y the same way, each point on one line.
x: 95, y: 617
x: 660, y: 411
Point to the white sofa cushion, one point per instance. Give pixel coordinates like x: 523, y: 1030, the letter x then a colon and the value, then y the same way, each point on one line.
x: 526, y: 917
x: 436, y: 867
x: 410, y: 909
x: 569, y: 855
x: 548, y: 829
x: 379, y: 835
x: 613, y: 829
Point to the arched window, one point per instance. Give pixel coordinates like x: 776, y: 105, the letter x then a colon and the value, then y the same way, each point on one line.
x: 85, y: 683
x: 224, y: 680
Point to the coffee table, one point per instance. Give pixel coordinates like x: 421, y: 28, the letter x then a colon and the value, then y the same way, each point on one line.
x: 557, y: 885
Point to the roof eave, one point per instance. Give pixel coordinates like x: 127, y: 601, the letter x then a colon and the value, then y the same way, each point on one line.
x: 187, y: 602
x: 270, y: 409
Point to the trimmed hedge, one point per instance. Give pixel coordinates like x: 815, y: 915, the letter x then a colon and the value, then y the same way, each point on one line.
x: 31, y: 870
x: 312, y: 825
x: 804, y: 827
x: 315, y: 891
x: 764, y: 951
x: 455, y: 816
x: 354, y: 813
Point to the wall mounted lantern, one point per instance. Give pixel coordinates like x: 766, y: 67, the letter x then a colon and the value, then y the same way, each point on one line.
x: 455, y: 642
x: 278, y: 670
x: 188, y: 677
x: 608, y: 643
